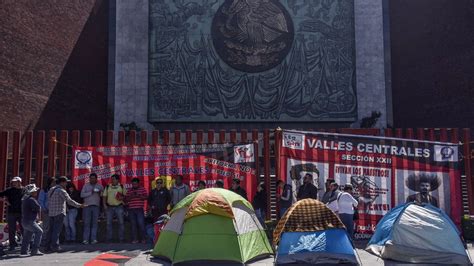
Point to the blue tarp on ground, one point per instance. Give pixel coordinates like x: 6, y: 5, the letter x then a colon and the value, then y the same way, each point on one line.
x: 328, y: 246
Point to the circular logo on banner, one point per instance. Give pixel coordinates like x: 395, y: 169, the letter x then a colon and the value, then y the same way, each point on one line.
x: 83, y: 160
x: 252, y: 35
x: 447, y: 152
x: 83, y: 157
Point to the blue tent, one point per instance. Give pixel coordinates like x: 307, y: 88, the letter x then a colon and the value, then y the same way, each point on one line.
x: 309, y: 233
x: 417, y: 233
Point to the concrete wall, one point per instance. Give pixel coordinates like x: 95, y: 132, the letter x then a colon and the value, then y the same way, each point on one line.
x: 130, y: 60
x: 130, y: 87
x: 371, y: 61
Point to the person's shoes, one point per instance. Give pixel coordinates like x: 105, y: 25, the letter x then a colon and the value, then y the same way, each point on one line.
x: 36, y: 253
x: 93, y: 242
x: 23, y: 253
x: 85, y: 242
x: 57, y: 250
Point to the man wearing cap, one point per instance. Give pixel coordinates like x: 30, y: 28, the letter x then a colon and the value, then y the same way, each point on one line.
x: 159, y: 200
x: 57, y: 200
x: 236, y: 188
x: 30, y: 210
x: 13, y: 195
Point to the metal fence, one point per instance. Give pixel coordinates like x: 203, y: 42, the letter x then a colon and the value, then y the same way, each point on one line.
x: 36, y: 154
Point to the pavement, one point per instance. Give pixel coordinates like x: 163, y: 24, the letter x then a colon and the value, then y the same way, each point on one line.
x: 137, y: 255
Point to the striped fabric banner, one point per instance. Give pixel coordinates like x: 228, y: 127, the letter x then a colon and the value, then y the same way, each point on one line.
x: 207, y: 162
x: 384, y: 172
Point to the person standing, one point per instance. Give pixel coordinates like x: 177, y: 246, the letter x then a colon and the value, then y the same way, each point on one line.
x: 333, y: 197
x: 91, y: 194
x: 58, y: 198
x: 260, y: 203
x: 13, y: 195
x: 114, y: 194
x: 201, y: 185
x: 346, y: 204
x: 285, y: 197
x: 43, y: 201
x: 71, y: 215
x: 328, y: 191
x: 307, y: 190
x: 236, y: 188
x: 158, y: 200
x: 30, y: 210
x: 219, y: 184
x: 135, y: 199
x: 179, y: 191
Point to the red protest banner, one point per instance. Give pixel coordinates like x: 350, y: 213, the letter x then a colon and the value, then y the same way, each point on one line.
x: 207, y: 162
x: 384, y: 171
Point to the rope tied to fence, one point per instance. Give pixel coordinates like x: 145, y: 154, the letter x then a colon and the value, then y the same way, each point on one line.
x: 53, y: 139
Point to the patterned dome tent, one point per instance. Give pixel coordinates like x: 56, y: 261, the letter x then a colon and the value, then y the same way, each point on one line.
x: 310, y: 233
x: 212, y: 225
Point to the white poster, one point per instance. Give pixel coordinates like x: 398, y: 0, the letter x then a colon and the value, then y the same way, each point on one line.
x: 297, y: 169
x: 371, y: 186
x: 423, y: 186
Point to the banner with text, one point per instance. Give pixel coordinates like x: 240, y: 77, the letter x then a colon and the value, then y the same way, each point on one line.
x: 384, y: 172
x: 207, y: 162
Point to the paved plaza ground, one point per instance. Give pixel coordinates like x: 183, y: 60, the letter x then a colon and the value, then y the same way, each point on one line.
x: 135, y: 255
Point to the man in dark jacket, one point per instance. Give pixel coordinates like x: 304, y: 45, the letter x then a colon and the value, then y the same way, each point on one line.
x: 13, y: 195
x: 236, y: 188
x: 159, y: 199
x: 307, y: 190
x: 30, y: 210
x: 260, y: 203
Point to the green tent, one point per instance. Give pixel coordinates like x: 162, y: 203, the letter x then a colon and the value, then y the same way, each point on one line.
x: 212, y: 225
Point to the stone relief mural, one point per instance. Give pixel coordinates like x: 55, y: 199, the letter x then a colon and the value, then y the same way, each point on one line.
x: 251, y: 60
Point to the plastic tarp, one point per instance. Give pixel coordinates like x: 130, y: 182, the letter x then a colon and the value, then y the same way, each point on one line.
x: 245, y: 219
x: 426, y: 229
x: 418, y: 234
x: 323, y: 247
x: 175, y: 224
x: 383, y: 230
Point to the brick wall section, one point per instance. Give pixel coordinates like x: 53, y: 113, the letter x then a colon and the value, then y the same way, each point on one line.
x: 432, y: 44
x: 36, y: 40
x: 79, y: 99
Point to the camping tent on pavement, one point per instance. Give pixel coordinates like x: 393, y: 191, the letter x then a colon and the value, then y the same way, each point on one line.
x: 212, y: 225
x: 418, y: 234
x: 310, y: 233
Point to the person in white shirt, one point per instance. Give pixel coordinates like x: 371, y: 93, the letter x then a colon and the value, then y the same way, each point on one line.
x: 333, y: 197
x: 346, y: 204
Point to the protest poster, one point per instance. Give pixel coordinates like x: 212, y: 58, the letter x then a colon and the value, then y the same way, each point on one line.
x: 384, y: 172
